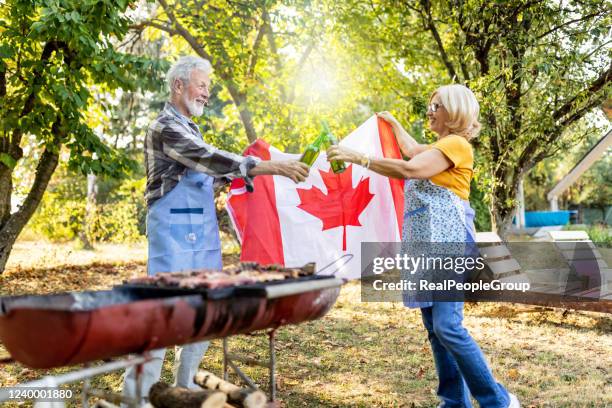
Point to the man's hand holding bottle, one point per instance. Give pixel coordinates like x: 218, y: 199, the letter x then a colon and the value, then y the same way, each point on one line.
x: 293, y: 169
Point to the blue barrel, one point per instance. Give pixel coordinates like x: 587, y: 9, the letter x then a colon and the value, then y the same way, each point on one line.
x: 547, y: 218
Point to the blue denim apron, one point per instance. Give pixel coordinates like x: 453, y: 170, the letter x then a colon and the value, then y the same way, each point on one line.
x: 434, y: 214
x: 182, y: 227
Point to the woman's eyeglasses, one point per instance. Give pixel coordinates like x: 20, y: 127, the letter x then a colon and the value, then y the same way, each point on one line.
x: 434, y: 107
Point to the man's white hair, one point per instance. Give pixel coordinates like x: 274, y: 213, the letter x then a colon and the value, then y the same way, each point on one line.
x: 182, y: 68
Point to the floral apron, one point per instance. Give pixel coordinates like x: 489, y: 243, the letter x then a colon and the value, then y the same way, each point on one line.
x: 433, y: 214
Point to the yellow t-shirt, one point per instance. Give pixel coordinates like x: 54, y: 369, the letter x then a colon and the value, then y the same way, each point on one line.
x: 457, y: 177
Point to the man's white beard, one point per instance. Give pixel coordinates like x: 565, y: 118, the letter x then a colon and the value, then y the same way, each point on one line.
x: 194, y: 108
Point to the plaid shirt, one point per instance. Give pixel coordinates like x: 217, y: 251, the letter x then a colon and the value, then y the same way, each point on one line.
x: 174, y: 143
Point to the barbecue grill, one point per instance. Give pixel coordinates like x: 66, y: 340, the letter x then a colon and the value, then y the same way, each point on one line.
x: 63, y: 329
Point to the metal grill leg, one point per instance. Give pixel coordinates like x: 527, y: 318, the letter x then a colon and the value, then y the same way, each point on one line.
x: 225, y: 376
x: 272, y: 366
x: 85, y: 391
x: 229, y: 360
x: 139, y: 370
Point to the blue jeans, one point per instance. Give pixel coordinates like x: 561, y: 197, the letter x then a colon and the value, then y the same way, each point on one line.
x: 460, y: 364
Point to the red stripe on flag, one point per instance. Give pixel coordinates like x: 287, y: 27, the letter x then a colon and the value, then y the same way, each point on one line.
x: 264, y: 245
x: 390, y: 149
x: 236, y: 208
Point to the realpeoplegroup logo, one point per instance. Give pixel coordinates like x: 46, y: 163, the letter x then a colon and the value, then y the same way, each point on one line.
x: 449, y: 285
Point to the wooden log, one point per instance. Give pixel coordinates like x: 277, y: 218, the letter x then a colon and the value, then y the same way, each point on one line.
x: 243, y: 397
x: 105, y: 404
x: 162, y: 395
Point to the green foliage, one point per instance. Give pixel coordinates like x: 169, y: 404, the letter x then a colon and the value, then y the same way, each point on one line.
x: 536, y: 68
x: 117, y: 216
x: 482, y: 219
x: 57, y: 56
x: 130, y: 194
x: 600, y: 234
x: 282, y: 67
x: 115, y: 222
x: 592, y: 189
x: 52, y: 51
x: 63, y: 215
x: 58, y: 219
x: 274, y: 78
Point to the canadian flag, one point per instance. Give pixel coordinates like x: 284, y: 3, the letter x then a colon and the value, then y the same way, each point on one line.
x: 325, y: 218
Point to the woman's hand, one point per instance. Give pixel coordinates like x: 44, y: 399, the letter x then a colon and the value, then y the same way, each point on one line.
x: 344, y: 154
x: 389, y: 118
x: 408, y: 145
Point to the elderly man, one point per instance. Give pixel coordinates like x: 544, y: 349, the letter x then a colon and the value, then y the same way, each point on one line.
x: 182, y: 226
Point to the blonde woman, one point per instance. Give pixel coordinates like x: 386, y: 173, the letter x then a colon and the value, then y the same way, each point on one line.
x: 437, y: 210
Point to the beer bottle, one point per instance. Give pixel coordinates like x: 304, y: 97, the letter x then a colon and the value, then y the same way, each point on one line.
x: 338, y: 166
x: 313, y: 149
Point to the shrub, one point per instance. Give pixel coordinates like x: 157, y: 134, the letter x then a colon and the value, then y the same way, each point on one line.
x: 600, y: 234
x: 121, y: 219
x: 58, y: 220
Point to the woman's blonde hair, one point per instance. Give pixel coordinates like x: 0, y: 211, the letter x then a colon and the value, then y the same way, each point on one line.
x: 462, y: 107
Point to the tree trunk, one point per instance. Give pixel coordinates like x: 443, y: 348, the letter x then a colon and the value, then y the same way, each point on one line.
x: 6, y: 189
x: 501, y: 219
x: 90, y: 211
x: 6, y: 246
x: 246, y: 117
x: 502, y: 212
x: 14, y: 223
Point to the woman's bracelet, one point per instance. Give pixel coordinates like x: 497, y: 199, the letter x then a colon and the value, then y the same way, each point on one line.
x: 365, y: 161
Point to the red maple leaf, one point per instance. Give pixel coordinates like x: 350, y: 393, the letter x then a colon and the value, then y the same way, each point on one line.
x: 342, y: 204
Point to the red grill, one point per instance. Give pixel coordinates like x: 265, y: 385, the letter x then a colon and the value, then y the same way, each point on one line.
x: 64, y: 329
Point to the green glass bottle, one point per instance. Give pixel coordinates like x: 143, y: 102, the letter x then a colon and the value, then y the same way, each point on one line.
x: 337, y: 166
x: 313, y: 149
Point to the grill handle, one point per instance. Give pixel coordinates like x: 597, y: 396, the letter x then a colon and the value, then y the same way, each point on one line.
x: 335, y: 266
x: 288, y: 289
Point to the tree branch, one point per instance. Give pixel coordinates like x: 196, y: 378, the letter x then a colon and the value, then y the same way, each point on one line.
x: 514, y: 87
x: 598, y: 100
x: 429, y: 23
x: 14, y: 149
x: 272, y: 43
x: 180, y: 30
x: 11, y: 146
x: 255, y: 49
x: 223, y: 70
x: 271, y: 40
x: 472, y: 39
x: 49, y: 48
x: 527, y: 158
x: 148, y: 23
x: 594, y: 87
x: 10, y: 229
x: 577, y: 20
x: 44, y: 171
x: 546, y: 153
x: 3, y: 81
x: 464, y: 70
x: 595, y: 50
